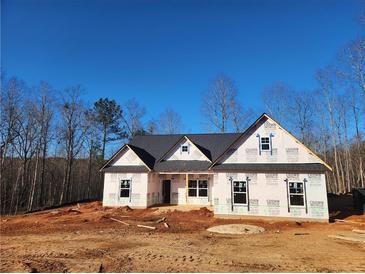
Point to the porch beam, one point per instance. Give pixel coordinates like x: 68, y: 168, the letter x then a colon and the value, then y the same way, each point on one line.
x: 193, y: 172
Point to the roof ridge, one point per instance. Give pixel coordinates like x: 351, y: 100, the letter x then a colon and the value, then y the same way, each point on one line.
x: 189, y: 134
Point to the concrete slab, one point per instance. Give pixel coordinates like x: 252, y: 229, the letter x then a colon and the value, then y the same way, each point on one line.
x: 236, y: 229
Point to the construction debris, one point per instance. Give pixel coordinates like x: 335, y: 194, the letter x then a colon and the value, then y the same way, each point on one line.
x: 358, y: 231
x: 349, y: 237
x: 300, y: 234
x: 349, y: 222
x: 119, y: 221
x: 74, y: 210
x: 166, y: 225
x: 101, y: 268
x: 161, y: 220
x: 146, y: 226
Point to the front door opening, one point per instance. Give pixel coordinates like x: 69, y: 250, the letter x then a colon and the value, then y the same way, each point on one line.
x: 166, y: 191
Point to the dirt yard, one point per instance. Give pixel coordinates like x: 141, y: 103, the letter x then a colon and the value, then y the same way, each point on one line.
x: 84, y: 239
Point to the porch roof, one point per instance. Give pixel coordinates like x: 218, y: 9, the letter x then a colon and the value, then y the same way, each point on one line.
x: 181, y: 166
x: 126, y: 169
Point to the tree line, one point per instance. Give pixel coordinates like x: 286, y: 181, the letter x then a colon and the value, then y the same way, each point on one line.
x: 330, y: 119
x: 52, y: 143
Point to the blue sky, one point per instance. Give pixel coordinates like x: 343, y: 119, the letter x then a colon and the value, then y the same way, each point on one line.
x: 164, y: 53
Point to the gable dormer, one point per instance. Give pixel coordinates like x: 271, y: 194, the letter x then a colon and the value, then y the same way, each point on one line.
x: 185, y: 150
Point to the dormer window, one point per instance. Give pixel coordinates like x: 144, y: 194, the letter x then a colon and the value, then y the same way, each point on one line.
x: 265, y: 143
x: 184, y: 148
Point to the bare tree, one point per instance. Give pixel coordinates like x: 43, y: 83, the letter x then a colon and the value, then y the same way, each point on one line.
x: 275, y: 98
x: 326, y: 81
x: 25, y: 145
x: 296, y: 108
x: 45, y: 113
x: 71, y: 134
x: 352, y: 60
x: 132, y: 117
x: 241, y: 119
x: 217, y: 101
x: 9, y: 116
x: 152, y: 127
x: 170, y: 122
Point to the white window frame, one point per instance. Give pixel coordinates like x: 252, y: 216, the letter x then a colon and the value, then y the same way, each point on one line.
x: 197, y: 188
x: 297, y: 194
x: 261, y: 143
x: 233, y: 192
x: 120, y: 188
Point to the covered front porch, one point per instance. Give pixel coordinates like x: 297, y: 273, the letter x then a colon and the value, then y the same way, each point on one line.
x: 183, y: 188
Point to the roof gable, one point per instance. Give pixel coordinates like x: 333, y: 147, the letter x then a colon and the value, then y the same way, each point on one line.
x: 285, y: 148
x: 194, y: 152
x: 127, y: 156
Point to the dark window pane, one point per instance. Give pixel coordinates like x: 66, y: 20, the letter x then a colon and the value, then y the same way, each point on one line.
x: 203, y: 193
x: 192, y: 184
x: 203, y: 184
x: 239, y: 198
x: 124, y: 184
x: 297, y: 200
x: 300, y: 190
x: 296, y: 187
x: 124, y: 193
x: 239, y: 186
x: 265, y: 146
x: 184, y: 148
x: 192, y: 192
x: 264, y: 140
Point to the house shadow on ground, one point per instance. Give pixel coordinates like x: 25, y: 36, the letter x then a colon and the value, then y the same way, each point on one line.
x: 341, y: 206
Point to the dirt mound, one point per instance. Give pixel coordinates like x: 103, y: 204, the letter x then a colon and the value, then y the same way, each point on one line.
x: 203, y: 211
x: 92, y: 206
x: 124, y: 209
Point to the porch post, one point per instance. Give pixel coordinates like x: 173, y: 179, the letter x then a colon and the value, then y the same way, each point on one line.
x: 186, y: 187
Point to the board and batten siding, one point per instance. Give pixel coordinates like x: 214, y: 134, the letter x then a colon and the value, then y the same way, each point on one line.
x: 268, y: 195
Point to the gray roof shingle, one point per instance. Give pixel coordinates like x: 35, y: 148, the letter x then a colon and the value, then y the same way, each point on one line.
x: 125, y: 169
x: 150, y: 148
x: 181, y: 166
x: 267, y: 167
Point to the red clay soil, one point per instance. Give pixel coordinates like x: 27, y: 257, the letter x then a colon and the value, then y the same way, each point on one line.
x: 84, y: 239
